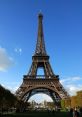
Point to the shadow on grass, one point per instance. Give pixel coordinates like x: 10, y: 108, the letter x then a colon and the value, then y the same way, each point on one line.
x: 38, y: 114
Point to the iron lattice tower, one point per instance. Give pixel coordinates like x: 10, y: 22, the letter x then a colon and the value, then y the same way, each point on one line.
x: 47, y: 83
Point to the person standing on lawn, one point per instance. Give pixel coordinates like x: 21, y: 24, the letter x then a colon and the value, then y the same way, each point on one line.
x: 75, y: 113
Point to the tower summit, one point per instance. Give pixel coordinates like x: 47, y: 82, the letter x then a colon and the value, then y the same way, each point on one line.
x: 40, y: 46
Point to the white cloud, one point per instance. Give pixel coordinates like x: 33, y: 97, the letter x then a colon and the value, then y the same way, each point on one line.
x: 5, y: 60
x: 18, y: 50
x: 72, y: 84
x: 70, y: 79
x: 72, y: 89
x: 76, y: 78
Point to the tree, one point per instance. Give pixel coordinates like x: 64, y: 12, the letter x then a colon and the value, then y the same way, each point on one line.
x: 7, y: 99
x: 74, y: 101
x: 67, y: 103
x: 50, y: 105
x: 63, y: 104
x: 79, y: 98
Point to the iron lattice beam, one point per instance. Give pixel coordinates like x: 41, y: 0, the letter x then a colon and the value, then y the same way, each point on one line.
x: 49, y: 83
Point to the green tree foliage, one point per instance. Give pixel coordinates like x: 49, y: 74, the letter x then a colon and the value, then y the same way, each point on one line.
x: 7, y: 99
x: 21, y: 106
x: 63, y: 104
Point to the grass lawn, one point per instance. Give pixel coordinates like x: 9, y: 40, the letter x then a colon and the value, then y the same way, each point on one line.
x: 38, y: 114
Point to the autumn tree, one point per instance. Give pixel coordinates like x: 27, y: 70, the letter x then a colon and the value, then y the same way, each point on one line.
x: 74, y: 101
x: 79, y: 98
x: 67, y: 102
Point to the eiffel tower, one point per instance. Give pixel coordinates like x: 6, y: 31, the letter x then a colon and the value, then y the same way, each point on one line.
x: 47, y: 83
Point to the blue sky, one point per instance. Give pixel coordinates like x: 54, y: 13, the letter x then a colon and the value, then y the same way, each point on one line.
x: 62, y: 24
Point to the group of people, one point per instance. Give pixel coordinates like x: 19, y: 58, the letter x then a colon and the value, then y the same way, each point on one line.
x: 76, y: 112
